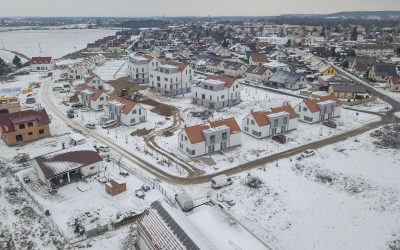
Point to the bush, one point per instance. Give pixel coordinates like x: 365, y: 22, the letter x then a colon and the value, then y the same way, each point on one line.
x: 21, y: 158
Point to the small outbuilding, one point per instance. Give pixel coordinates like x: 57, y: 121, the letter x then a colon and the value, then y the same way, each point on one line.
x: 115, y: 187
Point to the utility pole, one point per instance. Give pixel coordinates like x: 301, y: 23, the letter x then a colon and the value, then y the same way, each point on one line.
x: 40, y: 48
x: 2, y: 41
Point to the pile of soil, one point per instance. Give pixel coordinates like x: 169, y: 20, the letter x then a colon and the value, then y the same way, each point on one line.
x: 141, y: 132
x: 74, y: 98
x: 160, y: 108
x: 387, y: 137
x: 167, y: 133
x: 123, y: 83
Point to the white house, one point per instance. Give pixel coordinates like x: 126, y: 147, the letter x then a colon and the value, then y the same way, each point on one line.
x: 215, y: 65
x: 258, y: 73
x: 208, y: 138
x: 266, y: 123
x: 140, y: 67
x: 258, y: 59
x: 319, y: 109
x: 42, y: 63
x: 68, y: 165
x: 92, y: 98
x: 374, y: 50
x: 216, y: 92
x: 235, y: 69
x: 239, y: 48
x: 78, y: 71
x: 125, y: 111
x: 288, y: 80
x: 172, y: 78
x: 93, y: 80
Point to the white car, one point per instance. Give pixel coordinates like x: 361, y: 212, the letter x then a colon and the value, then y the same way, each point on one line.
x: 109, y: 124
x: 102, y: 148
x: 308, y: 153
x: 91, y: 126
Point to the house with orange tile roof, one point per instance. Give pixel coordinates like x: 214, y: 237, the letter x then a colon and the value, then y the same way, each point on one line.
x: 125, y: 111
x: 216, y: 92
x: 94, y: 81
x: 171, y: 78
x: 209, y: 138
x: 140, y: 66
x: 264, y: 123
x: 92, y: 98
x: 318, y: 109
x: 258, y: 59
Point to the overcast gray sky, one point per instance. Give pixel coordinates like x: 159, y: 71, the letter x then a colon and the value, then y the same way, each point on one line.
x: 132, y: 8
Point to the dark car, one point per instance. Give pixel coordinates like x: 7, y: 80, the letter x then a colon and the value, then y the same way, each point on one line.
x: 330, y: 124
x: 279, y: 138
x: 70, y: 115
x: 77, y: 105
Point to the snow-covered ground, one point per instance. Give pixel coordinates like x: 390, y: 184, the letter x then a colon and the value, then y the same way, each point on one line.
x: 346, y: 196
x: 252, y: 148
x: 119, y: 68
x: 55, y: 43
x: 381, y: 87
x: 8, y: 56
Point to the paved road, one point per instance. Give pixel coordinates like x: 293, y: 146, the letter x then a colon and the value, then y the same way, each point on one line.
x: 194, y: 179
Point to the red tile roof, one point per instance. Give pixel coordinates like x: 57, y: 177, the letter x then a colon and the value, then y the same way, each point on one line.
x: 230, y: 122
x: 41, y: 60
x: 261, y: 116
x: 7, y: 121
x: 128, y: 104
x: 312, y: 104
x: 229, y: 81
x: 90, y: 77
x: 96, y: 93
x: 195, y: 133
x: 181, y: 66
x: 331, y: 97
x: 257, y: 57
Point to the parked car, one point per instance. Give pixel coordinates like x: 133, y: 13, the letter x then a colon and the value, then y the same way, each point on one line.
x: 77, y: 105
x: 330, y: 124
x: 102, y: 148
x: 70, y: 115
x: 91, y: 125
x: 57, y: 88
x: 220, y: 181
x: 109, y: 124
x: 279, y: 138
x: 308, y: 153
x: 185, y: 201
x: 139, y: 193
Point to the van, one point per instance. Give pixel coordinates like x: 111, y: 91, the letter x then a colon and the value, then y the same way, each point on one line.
x: 185, y: 201
x: 220, y: 181
x: 109, y: 124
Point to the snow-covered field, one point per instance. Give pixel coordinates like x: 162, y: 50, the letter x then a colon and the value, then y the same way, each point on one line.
x: 8, y: 56
x: 346, y: 196
x: 119, y: 68
x: 55, y: 43
x: 382, y: 88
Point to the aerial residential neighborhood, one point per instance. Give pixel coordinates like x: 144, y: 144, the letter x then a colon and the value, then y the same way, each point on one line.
x: 202, y: 126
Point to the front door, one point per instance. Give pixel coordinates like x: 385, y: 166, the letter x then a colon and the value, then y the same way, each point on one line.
x: 19, y: 138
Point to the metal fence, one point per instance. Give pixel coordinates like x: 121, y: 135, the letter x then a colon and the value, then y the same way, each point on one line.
x: 140, y: 173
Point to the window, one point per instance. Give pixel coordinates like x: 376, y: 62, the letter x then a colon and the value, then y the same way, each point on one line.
x: 101, y: 98
x: 299, y: 108
x: 309, y: 119
x: 100, y: 106
x: 21, y: 126
x: 255, y: 133
x: 246, y: 129
x: 275, y: 123
x: 211, y: 87
x: 203, y: 96
x: 304, y: 109
x: 252, y: 122
x: 212, y: 138
x: 133, y: 120
x: 248, y: 121
x: 186, y: 138
x: 30, y: 133
x: 284, y: 120
x: 222, y: 96
x: 30, y: 124
x: 224, y: 135
x: 134, y: 111
x: 91, y: 168
x: 41, y: 132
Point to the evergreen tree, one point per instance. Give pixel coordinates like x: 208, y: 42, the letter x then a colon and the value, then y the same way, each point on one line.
x: 3, y: 66
x: 17, y: 61
x: 353, y: 36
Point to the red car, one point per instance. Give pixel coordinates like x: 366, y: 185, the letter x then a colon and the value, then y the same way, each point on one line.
x: 279, y: 138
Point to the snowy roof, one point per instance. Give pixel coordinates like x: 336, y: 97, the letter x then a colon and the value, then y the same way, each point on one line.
x: 77, y: 137
x: 166, y: 230
x: 285, y: 77
x: 65, y: 160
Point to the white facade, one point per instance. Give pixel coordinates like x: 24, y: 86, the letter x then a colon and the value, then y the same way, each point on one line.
x: 91, y: 99
x: 171, y: 80
x: 126, y: 112
x: 216, y: 93
x: 317, y: 111
x: 43, y: 67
